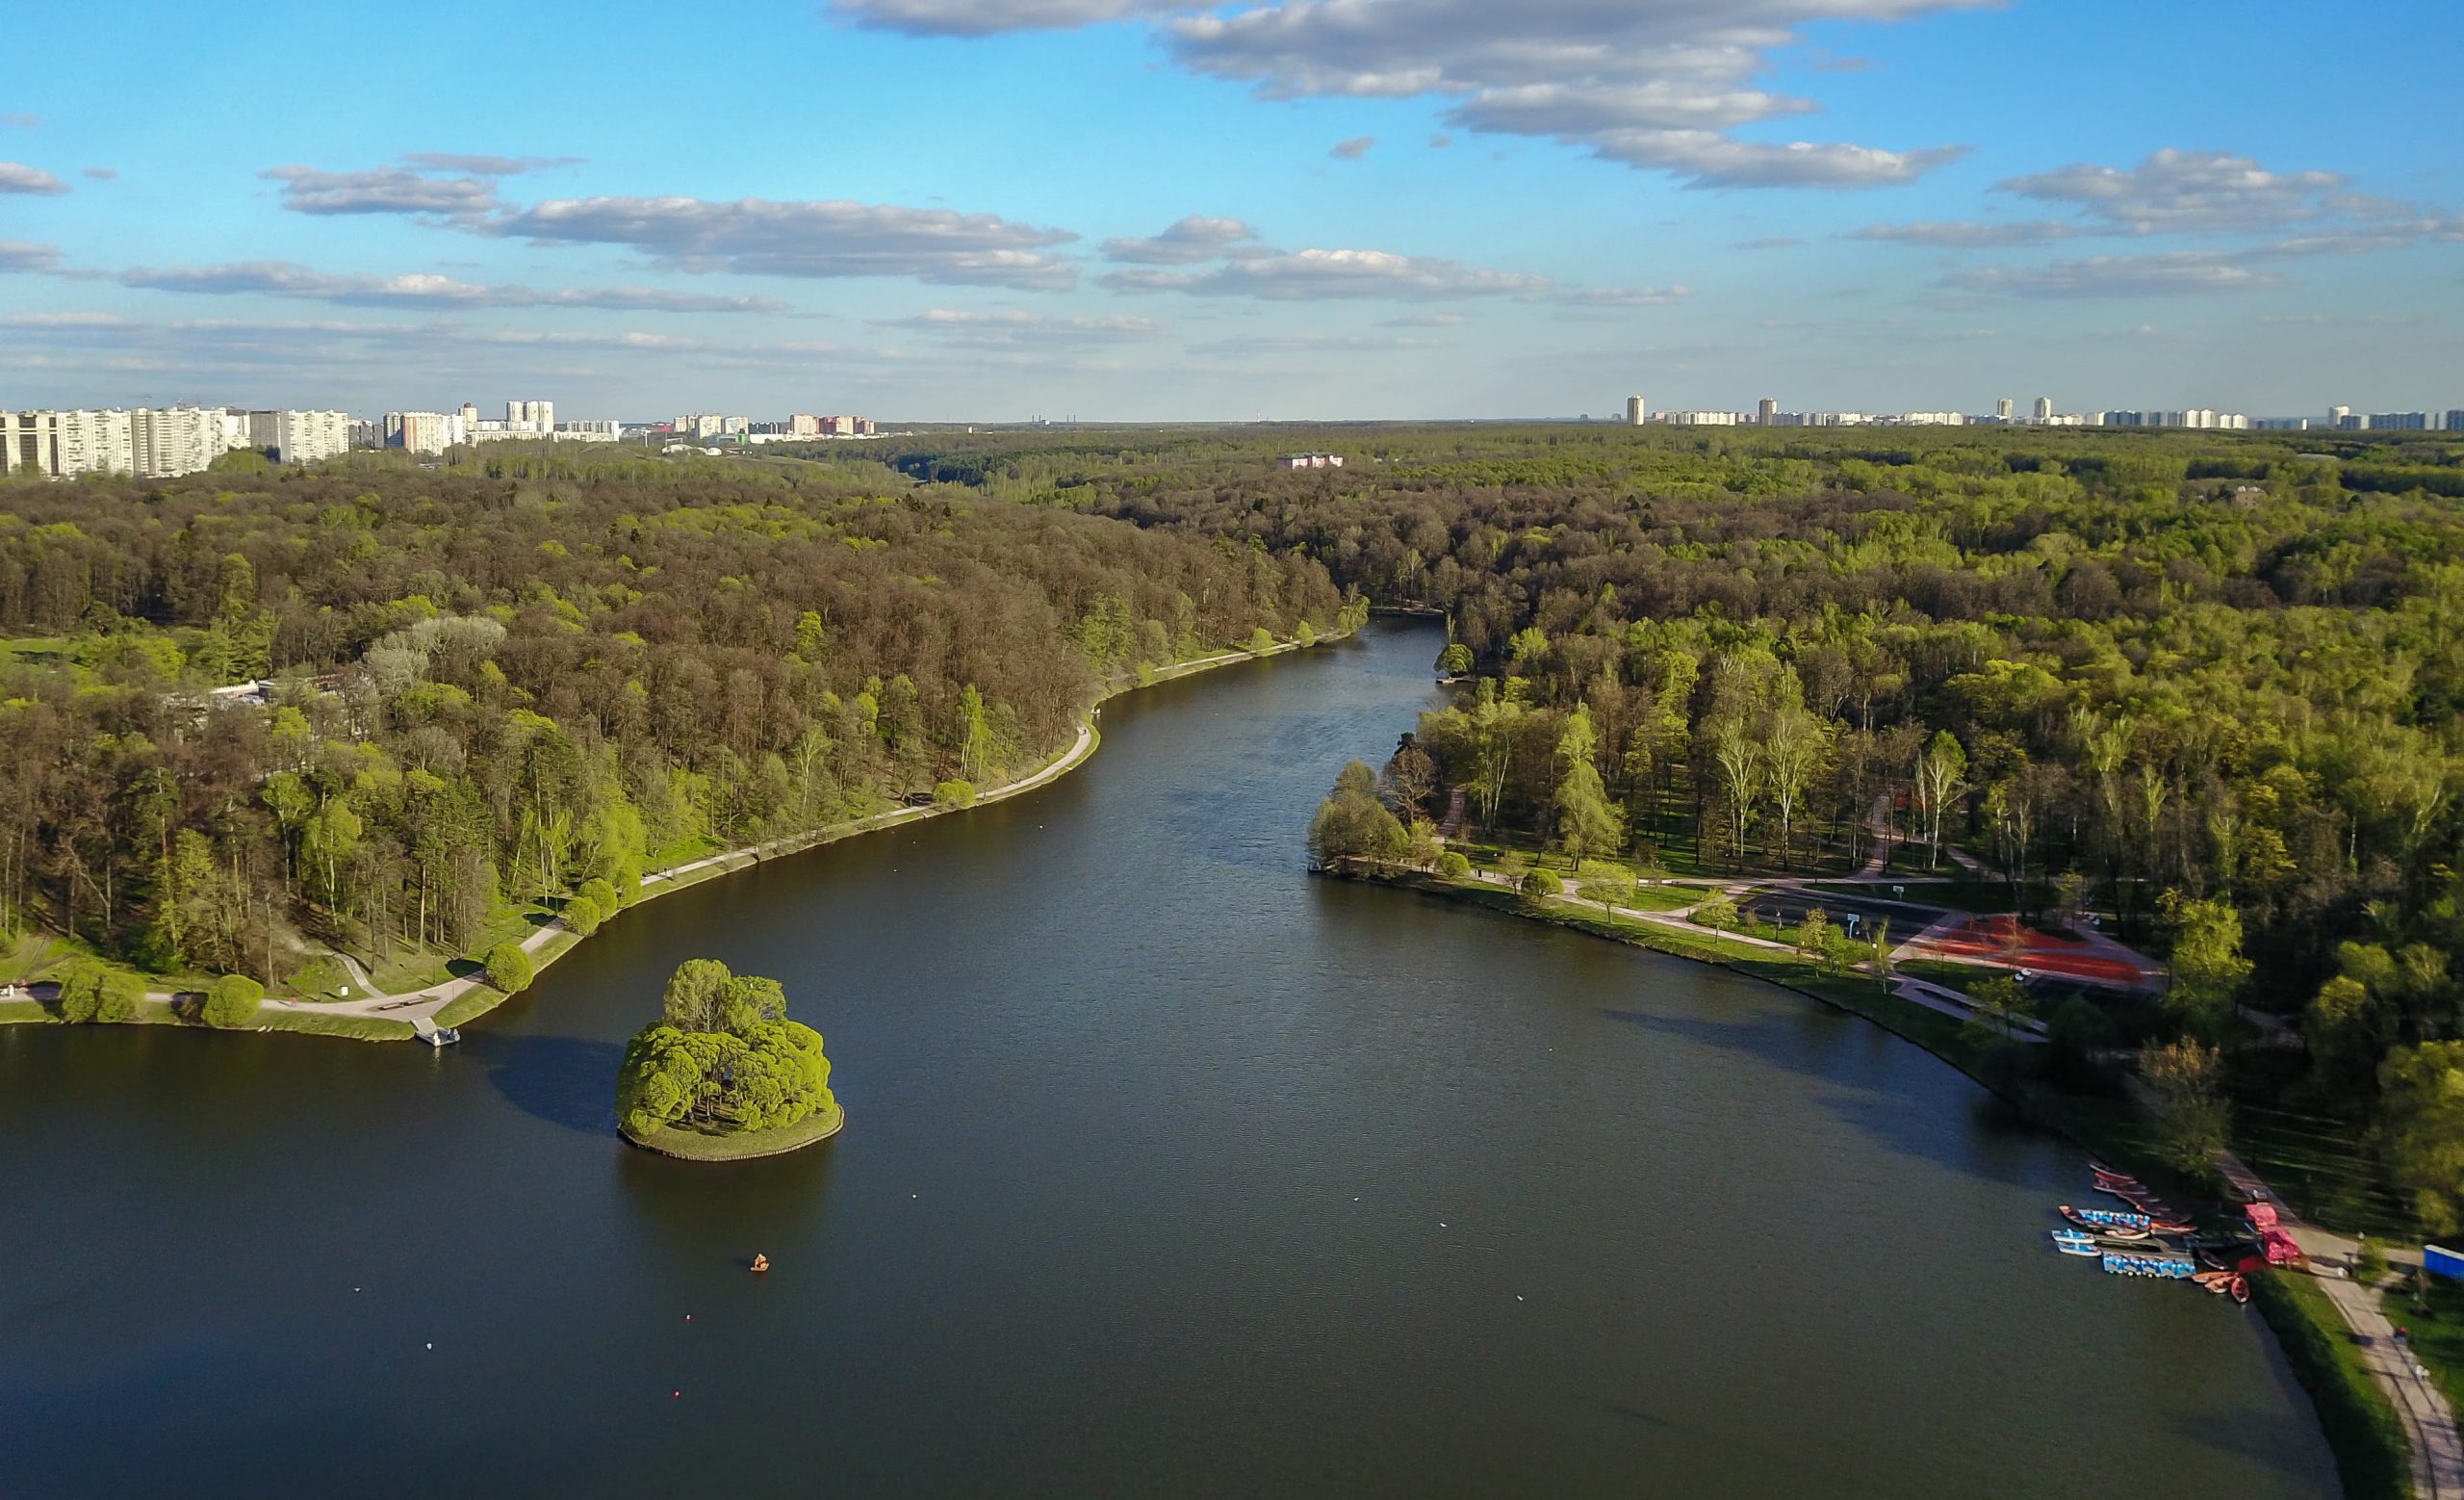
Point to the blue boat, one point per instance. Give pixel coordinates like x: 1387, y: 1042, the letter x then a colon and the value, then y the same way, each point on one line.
x: 2104, y: 1218
x: 2171, y: 1268
x: 2070, y: 1242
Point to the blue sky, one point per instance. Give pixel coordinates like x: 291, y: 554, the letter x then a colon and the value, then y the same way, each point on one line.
x: 957, y: 209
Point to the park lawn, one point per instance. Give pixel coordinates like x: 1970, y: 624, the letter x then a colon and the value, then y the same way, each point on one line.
x: 2361, y: 1425
x: 1950, y: 976
x: 29, y: 1012
x: 359, y: 1028
x: 2432, y: 1308
x: 43, y: 653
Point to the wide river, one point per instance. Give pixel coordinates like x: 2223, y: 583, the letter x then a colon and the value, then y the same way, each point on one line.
x: 1167, y: 1170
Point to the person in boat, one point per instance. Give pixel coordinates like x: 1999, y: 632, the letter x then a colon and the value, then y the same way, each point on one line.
x: 761, y: 1263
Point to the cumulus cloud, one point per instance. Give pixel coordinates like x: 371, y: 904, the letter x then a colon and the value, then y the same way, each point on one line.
x: 1017, y: 328
x: 2175, y: 192
x: 1329, y: 275
x: 1958, y: 235
x: 1351, y: 150
x: 420, y: 289
x: 2187, y: 273
x: 1654, y: 84
x: 746, y: 237
x: 1188, y: 243
x: 382, y: 190
x: 18, y: 177
x: 758, y: 236
x: 24, y: 257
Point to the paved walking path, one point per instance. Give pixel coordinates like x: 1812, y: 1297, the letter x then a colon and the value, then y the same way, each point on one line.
x: 2437, y: 1450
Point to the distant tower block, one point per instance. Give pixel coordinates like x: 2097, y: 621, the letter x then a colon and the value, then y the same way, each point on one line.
x: 1635, y: 411
x: 2045, y: 408
x: 1768, y: 412
x: 2004, y: 408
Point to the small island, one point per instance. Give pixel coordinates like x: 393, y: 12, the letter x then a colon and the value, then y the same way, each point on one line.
x: 723, y: 1075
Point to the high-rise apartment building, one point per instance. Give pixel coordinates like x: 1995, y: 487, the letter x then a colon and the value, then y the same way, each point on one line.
x: 300, y: 437
x: 1765, y: 413
x: 424, y: 431
x: 148, y: 443
x: 1636, y: 412
x: 174, y: 440
x: 2005, y: 408
x: 2045, y: 408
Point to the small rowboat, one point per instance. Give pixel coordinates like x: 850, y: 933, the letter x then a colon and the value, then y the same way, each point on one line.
x: 2070, y: 1242
x: 2241, y: 1289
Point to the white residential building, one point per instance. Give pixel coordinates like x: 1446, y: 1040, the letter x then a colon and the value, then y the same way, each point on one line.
x: 300, y: 437
x: 146, y: 443
x: 174, y: 440
x: 97, y: 442
x: 1636, y: 412
x: 2045, y: 408
x: 588, y: 432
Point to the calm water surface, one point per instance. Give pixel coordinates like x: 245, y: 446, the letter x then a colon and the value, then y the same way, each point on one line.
x: 1167, y: 1170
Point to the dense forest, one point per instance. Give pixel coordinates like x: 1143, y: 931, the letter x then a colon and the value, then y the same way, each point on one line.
x: 2210, y: 684
x: 496, y: 684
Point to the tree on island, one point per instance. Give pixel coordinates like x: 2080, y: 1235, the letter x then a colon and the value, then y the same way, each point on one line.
x: 723, y: 1059
x: 1352, y: 825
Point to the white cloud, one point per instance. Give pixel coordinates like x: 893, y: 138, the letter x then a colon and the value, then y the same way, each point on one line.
x: 2175, y: 192
x: 758, y: 236
x: 1351, y: 150
x: 1958, y: 235
x: 1193, y: 240
x: 419, y: 289
x: 382, y: 190
x: 2185, y: 273
x: 1654, y: 84
x: 18, y: 177
x: 24, y: 257
x: 1322, y: 275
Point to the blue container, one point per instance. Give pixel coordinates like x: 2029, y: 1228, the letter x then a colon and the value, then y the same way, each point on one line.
x: 2443, y: 1262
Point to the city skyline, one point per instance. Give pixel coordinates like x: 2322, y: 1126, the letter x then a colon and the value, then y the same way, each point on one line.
x: 1364, y: 209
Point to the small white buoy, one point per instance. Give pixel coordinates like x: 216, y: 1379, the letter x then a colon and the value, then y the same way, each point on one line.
x: 431, y: 1346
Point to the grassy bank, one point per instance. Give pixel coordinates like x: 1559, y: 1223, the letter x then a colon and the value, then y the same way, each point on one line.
x: 480, y: 999
x: 739, y: 1145
x: 2372, y: 1454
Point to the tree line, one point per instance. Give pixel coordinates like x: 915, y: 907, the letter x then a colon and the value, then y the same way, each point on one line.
x: 487, y: 688
x: 2210, y: 684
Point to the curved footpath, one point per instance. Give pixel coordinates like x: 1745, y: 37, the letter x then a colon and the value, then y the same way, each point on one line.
x: 553, y: 940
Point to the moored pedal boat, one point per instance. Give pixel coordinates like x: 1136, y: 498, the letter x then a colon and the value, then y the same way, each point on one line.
x: 2103, y: 1218
x: 2070, y: 1242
